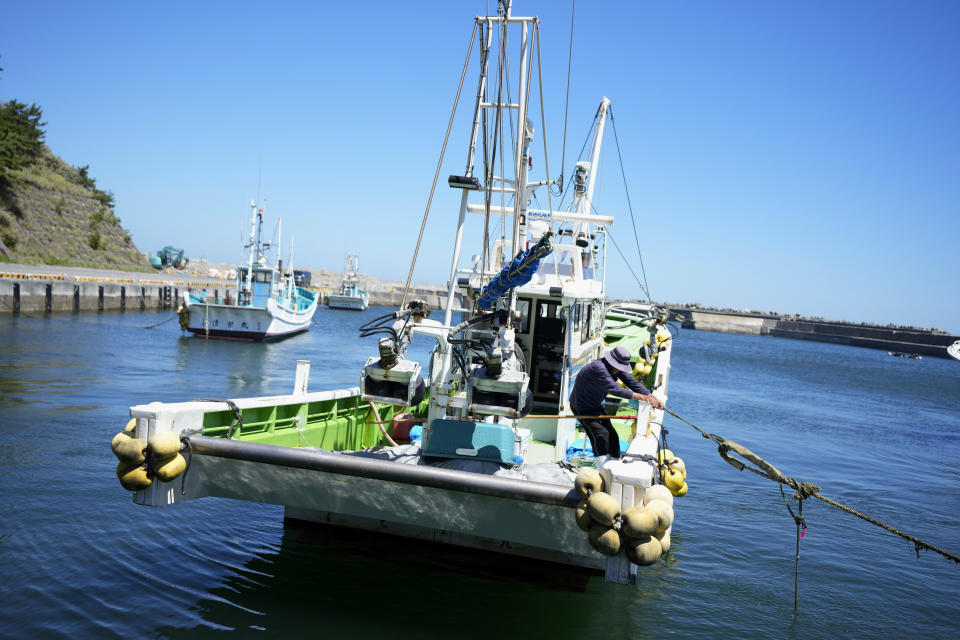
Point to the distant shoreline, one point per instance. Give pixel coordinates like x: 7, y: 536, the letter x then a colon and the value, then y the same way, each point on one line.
x: 324, y: 279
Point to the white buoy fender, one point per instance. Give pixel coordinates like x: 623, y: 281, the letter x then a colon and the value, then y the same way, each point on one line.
x: 664, y: 541
x: 133, y: 477
x: 171, y: 468
x: 639, y: 522
x: 122, y: 436
x: 588, y: 481
x: 163, y: 445
x: 606, y: 540
x: 603, y: 508
x: 583, y: 517
x: 664, y: 514
x: 130, y: 451
x: 643, y: 551
x: 657, y: 492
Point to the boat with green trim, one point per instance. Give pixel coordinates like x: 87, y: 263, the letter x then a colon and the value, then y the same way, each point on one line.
x: 476, y: 448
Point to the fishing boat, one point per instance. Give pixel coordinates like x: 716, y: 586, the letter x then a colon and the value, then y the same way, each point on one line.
x: 477, y: 449
x: 954, y: 350
x: 349, y: 295
x: 269, y: 304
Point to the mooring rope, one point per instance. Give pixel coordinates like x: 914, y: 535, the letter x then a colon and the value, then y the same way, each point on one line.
x: 803, y: 490
x: 154, y: 326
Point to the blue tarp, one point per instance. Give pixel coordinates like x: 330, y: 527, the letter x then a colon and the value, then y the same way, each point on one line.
x: 581, y: 448
x: 515, y: 274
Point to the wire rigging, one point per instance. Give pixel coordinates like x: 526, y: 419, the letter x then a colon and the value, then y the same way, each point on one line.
x: 436, y: 175
x: 623, y: 173
x: 566, y: 104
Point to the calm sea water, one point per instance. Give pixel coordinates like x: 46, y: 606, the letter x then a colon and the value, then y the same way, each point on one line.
x: 78, y: 559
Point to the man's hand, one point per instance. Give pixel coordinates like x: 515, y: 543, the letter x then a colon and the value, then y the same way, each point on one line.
x: 651, y: 399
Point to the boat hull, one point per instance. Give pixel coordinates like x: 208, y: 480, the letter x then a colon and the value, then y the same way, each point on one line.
x: 504, y: 515
x: 233, y: 322
x: 349, y: 303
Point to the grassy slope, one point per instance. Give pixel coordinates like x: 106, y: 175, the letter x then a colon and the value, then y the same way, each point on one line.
x: 54, y: 220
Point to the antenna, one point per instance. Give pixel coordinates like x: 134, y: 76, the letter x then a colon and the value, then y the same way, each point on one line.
x: 259, y: 175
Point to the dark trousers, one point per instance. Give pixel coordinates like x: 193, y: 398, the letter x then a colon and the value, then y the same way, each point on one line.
x: 603, y: 437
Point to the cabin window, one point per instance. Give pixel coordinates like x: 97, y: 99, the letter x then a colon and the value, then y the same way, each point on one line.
x: 261, y: 276
x: 587, y: 317
x: 523, y: 306
x: 576, y: 318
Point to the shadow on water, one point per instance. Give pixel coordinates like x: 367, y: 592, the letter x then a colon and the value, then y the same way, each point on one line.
x: 320, y: 585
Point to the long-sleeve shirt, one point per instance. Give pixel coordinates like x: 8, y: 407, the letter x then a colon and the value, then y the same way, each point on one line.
x: 594, y: 383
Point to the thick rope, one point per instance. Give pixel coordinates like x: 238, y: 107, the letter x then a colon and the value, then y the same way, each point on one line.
x: 803, y: 490
x: 154, y: 326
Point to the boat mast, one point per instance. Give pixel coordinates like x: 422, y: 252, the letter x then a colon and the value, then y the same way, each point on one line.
x: 521, y: 166
x: 485, y: 42
x: 252, y: 246
x: 468, y: 182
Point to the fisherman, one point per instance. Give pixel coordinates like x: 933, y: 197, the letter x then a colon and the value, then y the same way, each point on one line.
x: 594, y: 382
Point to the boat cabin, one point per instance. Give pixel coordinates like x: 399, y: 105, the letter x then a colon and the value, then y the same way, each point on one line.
x: 255, y: 291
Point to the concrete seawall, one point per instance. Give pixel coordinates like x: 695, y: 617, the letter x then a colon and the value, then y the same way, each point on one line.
x: 40, y: 290
x: 887, y: 338
x: 41, y: 296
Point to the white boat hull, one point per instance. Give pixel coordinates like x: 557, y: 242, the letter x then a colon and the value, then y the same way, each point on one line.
x: 954, y: 350
x: 247, y: 323
x: 352, y: 303
x: 499, y: 524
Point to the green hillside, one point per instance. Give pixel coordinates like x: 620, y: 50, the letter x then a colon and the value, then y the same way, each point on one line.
x: 51, y: 212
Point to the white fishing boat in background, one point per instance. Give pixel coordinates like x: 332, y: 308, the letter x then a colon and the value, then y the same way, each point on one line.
x: 954, y: 350
x: 349, y: 295
x: 269, y: 304
x: 479, y: 449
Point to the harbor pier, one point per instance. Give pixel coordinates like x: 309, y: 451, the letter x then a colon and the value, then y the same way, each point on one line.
x: 911, y: 340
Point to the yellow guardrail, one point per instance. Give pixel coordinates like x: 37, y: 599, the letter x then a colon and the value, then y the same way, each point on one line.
x: 163, y: 282
x: 103, y: 279
x: 32, y: 276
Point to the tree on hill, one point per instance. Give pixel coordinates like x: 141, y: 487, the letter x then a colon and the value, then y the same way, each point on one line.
x: 21, y: 136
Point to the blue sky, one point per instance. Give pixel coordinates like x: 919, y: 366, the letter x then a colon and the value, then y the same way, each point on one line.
x: 798, y: 157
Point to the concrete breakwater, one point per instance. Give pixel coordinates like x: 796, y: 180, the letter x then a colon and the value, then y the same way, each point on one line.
x: 40, y: 290
x: 45, y: 293
x: 906, y: 340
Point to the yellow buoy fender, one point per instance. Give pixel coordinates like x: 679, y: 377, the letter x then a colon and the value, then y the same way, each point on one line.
x: 639, y: 522
x: 163, y: 445
x: 664, y: 514
x: 603, y: 508
x: 682, y: 491
x: 131, y: 427
x: 643, y: 551
x: 583, y: 517
x: 665, y: 454
x: 133, y: 477
x: 606, y: 540
x: 130, y: 450
x: 117, y: 439
x: 677, y: 465
x: 171, y: 468
x: 673, y: 479
x: 588, y: 481
x: 657, y: 492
